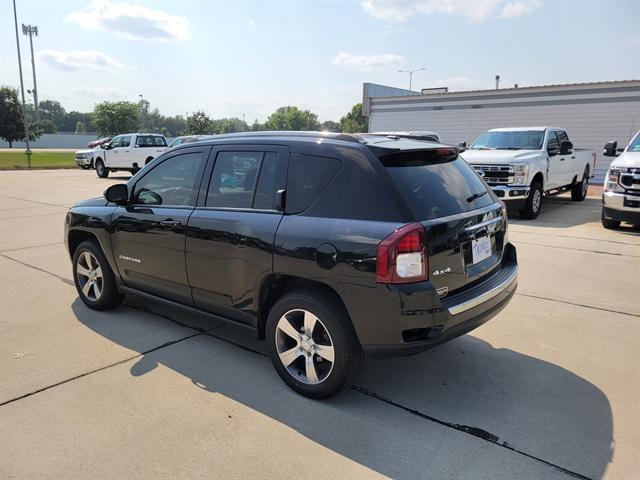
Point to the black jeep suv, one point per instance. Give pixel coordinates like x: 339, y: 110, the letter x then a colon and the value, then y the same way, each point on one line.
x: 329, y: 246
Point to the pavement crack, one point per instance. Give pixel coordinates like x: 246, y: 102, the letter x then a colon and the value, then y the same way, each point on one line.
x: 29, y: 248
x: 59, y: 277
x: 576, y: 249
x: 476, y: 432
x: 523, y: 232
x: 35, y: 201
x: 602, y: 309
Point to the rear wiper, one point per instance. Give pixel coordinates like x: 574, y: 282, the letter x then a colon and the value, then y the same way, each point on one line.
x: 475, y: 196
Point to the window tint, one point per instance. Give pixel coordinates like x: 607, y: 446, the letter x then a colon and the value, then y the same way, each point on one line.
x: 150, y: 141
x: 172, y: 182
x: 271, y: 179
x: 307, y: 178
x: 125, y: 141
x: 233, y: 178
x: 436, y: 185
x: 562, y: 136
x: 553, y: 143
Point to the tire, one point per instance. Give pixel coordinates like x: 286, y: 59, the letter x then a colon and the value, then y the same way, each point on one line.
x: 101, y: 170
x: 533, y: 203
x: 579, y: 190
x: 309, y: 372
x: 85, y: 167
x: 609, y: 224
x: 93, y: 277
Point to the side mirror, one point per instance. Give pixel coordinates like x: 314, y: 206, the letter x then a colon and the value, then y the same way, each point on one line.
x: 118, y: 194
x: 566, y: 147
x: 610, y: 149
x: 107, y: 146
x: 280, y: 200
x: 462, y: 146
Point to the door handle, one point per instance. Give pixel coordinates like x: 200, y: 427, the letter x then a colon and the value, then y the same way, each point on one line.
x: 573, y: 158
x: 170, y: 223
x: 562, y: 159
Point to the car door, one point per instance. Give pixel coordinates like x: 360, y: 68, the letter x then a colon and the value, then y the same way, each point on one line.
x: 112, y: 153
x: 555, y: 167
x: 125, y: 153
x: 570, y: 162
x: 231, y: 232
x: 148, y: 234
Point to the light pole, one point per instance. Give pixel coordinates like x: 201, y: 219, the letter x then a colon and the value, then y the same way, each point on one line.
x: 24, y: 110
x: 411, y: 72
x: 32, y: 30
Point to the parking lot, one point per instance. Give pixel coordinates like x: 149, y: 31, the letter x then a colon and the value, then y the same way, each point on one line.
x: 549, y: 388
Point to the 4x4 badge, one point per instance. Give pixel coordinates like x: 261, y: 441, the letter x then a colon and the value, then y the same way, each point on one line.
x: 441, y: 272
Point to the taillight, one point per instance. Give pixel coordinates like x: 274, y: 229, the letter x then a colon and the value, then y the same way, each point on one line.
x: 402, y: 256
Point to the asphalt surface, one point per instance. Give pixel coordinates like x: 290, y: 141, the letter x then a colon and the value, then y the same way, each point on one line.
x: 548, y: 389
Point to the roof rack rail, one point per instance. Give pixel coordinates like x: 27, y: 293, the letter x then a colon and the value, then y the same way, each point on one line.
x: 347, y: 137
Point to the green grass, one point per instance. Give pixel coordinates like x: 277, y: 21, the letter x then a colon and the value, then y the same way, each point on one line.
x: 18, y: 160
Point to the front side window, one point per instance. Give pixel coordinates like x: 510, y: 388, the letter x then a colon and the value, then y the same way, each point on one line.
x: 562, y: 136
x: 553, y: 145
x: 634, y: 145
x: 116, y: 142
x: 233, y: 179
x: 172, y: 182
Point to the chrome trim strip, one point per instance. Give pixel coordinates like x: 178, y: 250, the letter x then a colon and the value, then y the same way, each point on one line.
x: 463, y: 307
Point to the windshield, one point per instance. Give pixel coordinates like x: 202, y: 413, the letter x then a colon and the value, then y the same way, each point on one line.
x: 634, y: 146
x: 151, y: 141
x: 516, y: 140
x: 437, y: 185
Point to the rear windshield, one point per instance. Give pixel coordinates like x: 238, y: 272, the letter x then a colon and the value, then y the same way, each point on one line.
x: 151, y: 141
x: 437, y: 185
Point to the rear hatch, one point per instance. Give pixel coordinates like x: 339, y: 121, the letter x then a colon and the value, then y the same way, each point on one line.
x: 465, y: 223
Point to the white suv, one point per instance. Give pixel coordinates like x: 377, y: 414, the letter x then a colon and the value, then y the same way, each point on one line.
x: 129, y: 152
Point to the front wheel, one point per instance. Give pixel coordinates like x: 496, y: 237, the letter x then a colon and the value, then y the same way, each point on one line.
x: 579, y: 190
x: 533, y: 204
x: 101, y: 170
x: 93, y: 277
x: 607, y: 223
x: 312, y: 344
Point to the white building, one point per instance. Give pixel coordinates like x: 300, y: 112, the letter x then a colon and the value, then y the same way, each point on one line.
x: 593, y: 113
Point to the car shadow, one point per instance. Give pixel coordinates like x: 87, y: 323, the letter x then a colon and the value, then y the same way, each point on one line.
x: 405, y: 416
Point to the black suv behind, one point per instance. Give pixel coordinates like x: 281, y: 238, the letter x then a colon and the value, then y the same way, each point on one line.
x: 329, y: 246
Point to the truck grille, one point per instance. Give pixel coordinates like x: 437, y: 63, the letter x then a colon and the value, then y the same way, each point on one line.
x: 495, y: 174
x: 630, y: 179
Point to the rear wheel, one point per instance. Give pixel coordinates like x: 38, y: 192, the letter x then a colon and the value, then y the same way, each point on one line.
x: 312, y: 344
x: 533, y: 204
x: 607, y: 223
x: 101, y: 170
x: 93, y: 277
x: 579, y: 190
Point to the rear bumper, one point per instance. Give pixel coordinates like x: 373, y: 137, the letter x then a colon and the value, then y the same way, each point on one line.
x: 459, y: 313
x: 505, y: 192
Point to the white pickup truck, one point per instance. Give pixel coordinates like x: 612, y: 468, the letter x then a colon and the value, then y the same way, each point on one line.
x: 621, y: 193
x: 521, y: 165
x: 129, y: 152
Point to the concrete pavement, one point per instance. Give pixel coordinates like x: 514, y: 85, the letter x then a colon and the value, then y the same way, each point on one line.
x: 548, y: 389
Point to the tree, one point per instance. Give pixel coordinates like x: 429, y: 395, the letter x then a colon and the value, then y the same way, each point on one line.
x: 114, y: 118
x: 53, y: 111
x: 199, y: 124
x: 330, y: 126
x: 229, y: 125
x: 11, y: 118
x: 292, y: 118
x: 47, y: 126
x: 80, y: 127
x: 354, y: 121
x: 257, y: 126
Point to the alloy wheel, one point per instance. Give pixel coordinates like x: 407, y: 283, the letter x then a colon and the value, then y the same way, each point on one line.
x: 304, y: 346
x: 89, y: 276
x: 537, y: 200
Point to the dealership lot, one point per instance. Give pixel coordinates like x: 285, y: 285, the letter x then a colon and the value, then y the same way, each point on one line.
x: 548, y: 389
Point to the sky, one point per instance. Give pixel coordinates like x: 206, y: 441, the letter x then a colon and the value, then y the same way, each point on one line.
x: 246, y: 58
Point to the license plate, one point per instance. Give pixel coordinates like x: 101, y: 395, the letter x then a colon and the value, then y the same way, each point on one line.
x: 481, y: 249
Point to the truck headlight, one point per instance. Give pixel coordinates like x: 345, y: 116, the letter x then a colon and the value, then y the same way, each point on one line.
x: 611, y: 181
x: 520, y: 173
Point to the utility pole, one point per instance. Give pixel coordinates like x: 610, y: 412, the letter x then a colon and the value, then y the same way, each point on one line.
x: 24, y: 110
x: 32, y: 30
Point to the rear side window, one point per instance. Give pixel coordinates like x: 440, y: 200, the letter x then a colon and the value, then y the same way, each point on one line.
x: 436, y: 185
x: 308, y: 176
x: 233, y: 179
x: 150, y: 141
x: 271, y: 179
